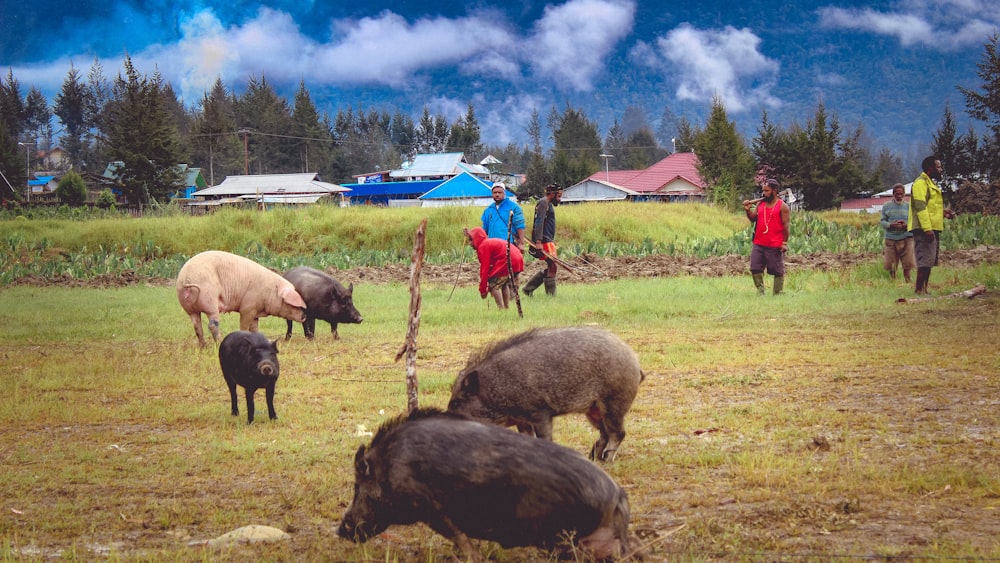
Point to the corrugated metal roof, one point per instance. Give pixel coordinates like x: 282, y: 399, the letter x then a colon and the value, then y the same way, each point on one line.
x: 271, y: 184
x: 376, y: 189
x: 463, y: 186
x: 436, y: 165
x: 680, y: 165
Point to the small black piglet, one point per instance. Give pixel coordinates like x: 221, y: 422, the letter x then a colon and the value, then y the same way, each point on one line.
x: 250, y: 360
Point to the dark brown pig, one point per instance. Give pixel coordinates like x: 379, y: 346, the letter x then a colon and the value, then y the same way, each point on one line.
x: 466, y: 479
x: 536, y: 375
x: 250, y: 360
x: 215, y: 282
x: 326, y: 299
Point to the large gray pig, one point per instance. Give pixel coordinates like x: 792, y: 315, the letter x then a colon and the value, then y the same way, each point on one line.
x: 326, y: 299
x: 467, y: 479
x: 215, y: 282
x: 527, y: 379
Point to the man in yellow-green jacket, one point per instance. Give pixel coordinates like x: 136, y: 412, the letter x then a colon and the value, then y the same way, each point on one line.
x: 926, y: 219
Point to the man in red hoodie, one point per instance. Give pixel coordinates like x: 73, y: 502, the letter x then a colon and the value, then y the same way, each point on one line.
x: 494, y: 277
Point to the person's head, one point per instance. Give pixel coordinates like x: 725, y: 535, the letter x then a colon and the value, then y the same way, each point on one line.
x: 474, y: 236
x: 898, y: 192
x: 932, y: 167
x: 553, y: 192
x: 769, y: 190
x: 499, y: 192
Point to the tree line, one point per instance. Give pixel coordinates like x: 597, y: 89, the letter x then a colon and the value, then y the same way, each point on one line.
x: 137, y: 120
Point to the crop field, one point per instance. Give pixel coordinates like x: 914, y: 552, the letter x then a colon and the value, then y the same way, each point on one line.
x: 828, y: 423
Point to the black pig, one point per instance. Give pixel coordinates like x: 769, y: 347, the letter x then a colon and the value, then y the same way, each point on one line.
x: 250, y: 360
x: 533, y: 376
x: 326, y: 299
x: 465, y: 479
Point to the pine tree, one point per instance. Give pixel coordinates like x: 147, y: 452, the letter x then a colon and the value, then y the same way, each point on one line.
x: 143, y: 137
x: 724, y: 160
x: 314, y: 143
x: 214, y: 135
x: 945, y: 146
x: 614, y: 145
x: 465, y: 136
x: 984, y: 105
x: 576, y: 154
x: 72, y: 105
x: 266, y: 120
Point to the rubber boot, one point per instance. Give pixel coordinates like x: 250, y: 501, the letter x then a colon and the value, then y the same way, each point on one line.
x: 533, y: 283
x: 550, y: 286
x: 779, y: 284
x: 758, y: 282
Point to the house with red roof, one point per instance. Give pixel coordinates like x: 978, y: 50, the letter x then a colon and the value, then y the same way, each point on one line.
x: 675, y: 178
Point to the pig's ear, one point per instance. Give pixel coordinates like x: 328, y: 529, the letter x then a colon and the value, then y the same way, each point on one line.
x: 470, y: 383
x: 350, y: 288
x: 274, y: 344
x: 292, y: 297
x: 361, y: 466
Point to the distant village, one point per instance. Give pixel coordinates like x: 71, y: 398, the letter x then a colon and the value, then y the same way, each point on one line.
x: 428, y: 180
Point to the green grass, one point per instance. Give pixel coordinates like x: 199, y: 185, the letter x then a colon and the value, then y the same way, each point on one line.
x: 115, y: 430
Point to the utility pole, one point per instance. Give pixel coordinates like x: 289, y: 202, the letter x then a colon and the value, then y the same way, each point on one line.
x: 246, y: 155
x: 27, y: 166
x: 607, y: 175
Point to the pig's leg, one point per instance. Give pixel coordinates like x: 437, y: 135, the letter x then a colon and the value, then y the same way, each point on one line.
x: 232, y: 396
x: 269, y: 393
x: 612, y: 428
x: 213, y: 325
x: 333, y: 329
x: 598, y: 419
x: 543, y: 426
x: 309, y: 327
x: 444, y: 526
x: 250, y: 391
x: 198, y: 331
x: 288, y: 334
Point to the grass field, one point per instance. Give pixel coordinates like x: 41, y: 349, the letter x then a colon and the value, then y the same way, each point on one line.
x: 830, y: 422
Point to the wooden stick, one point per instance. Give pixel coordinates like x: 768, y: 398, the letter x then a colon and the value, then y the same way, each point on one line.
x: 782, y: 193
x: 551, y: 257
x: 410, y: 346
x: 968, y: 293
x: 510, y: 267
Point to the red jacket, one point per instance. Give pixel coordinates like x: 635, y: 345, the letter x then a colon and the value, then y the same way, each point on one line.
x: 492, y: 253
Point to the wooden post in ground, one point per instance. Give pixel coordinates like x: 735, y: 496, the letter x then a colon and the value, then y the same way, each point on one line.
x: 410, y: 346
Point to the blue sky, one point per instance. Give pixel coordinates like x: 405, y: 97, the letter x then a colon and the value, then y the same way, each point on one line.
x: 890, y: 65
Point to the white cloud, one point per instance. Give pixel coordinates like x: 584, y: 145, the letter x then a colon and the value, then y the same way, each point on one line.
x: 569, y: 44
x: 944, y: 25
x: 708, y: 63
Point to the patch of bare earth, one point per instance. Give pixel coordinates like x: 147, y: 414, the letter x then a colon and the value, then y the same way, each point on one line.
x: 588, y: 268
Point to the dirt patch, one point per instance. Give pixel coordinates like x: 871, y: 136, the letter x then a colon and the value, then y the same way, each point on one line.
x: 588, y: 267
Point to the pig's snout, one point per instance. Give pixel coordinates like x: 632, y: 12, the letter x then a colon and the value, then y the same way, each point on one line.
x: 354, y: 531
x: 356, y: 317
x: 300, y: 315
x: 267, y: 368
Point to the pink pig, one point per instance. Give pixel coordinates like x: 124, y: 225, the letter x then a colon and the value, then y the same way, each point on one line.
x: 214, y: 282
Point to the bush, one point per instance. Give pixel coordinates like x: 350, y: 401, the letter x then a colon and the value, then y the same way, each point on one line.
x: 106, y: 199
x: 72, y: 190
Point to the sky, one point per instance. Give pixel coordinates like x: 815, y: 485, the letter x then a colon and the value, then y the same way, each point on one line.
x: 891, y: 66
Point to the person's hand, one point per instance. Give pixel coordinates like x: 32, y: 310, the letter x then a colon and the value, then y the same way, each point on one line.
x: 784, y: 247
x: 482, y: 295
x: 929, y: 234
x: 949, y: 214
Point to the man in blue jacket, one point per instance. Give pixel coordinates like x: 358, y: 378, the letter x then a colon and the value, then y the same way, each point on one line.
x: 496, y: 217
